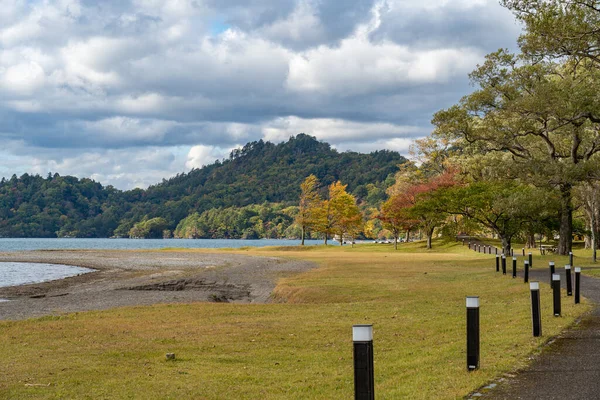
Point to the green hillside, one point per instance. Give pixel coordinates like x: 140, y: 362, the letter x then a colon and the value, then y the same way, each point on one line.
x: 260, y: 172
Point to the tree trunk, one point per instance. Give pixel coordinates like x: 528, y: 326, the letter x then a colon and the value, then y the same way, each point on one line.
x: 395, y: 241
x: 429, y: 237
x: 531, y: 240
x: 325, y: 239
x: 565, y: 242
x: 593, y: 224
x: 407, y: 235
x: 302, y: 244
x: 505, y: 245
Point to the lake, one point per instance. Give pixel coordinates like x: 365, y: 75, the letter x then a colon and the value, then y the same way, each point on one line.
x: 140, y: 244
x: 14, y: 274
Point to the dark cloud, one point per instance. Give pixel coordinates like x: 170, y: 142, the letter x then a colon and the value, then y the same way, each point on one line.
x: 153, y: 80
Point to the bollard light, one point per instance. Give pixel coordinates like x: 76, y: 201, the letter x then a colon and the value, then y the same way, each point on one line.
x: 472, y: 333
x: 514, y: 267
x: 526, y: 271
x: 497, y: 263
x: 556, y: 294
x: 569, y: 283
x: 552, y: 271
x: 496, y: 250
x: 536, y: 315
x: 530, y: 260
x: 570, y: 258
x: 469, y: 245
x: 523, y: 251
x: 577, y: 283
x: 503, y: 264
x: 364, y: 377
x: 512, y: 252
x: 484, y: 249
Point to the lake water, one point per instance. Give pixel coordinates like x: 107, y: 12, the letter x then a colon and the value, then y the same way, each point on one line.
x: 14, y: 274
x: 134, y: 244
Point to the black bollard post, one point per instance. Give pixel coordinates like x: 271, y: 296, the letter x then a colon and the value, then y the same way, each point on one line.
x: 469, y: 245
x: 570, y: 258
x: 484, y: 249
x: 569, y: 283
x: 496, y: 250
x: 514, y: 267
x: 577, y: 283
x: 556, y: 294
x: 497, y: 263
x: 530, y: 260
x: 503, y: 264
x: 526, y: 271
x: 364, y: 382
x: 472, y: 333
x: 463, y: 242
x: 512, y: 252
x: 523, y: 251
x: 552, y: 271
x: 536, y: 314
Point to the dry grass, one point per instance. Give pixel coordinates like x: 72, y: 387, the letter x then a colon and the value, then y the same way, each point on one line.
x: 297, y: 349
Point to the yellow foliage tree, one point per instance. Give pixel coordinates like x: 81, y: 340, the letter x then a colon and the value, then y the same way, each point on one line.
x: 310, y: 203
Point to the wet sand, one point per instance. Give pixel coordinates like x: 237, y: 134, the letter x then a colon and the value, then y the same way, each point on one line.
x: 129, y: 278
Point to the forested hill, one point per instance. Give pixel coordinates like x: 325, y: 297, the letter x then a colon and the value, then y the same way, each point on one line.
x: 35, y: 206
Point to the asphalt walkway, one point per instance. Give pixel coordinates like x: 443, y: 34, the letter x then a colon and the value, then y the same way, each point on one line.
x: 569, y: 368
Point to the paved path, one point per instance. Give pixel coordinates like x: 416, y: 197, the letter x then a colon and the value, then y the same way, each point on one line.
x: 567, y: 369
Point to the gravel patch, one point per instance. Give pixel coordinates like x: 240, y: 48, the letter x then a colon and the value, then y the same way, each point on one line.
x: 130, y: 278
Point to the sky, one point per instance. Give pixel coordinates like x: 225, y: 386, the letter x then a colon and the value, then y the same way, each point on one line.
x: 130, y: 92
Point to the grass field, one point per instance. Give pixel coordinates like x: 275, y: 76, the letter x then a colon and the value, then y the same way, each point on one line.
x: 299, y: 347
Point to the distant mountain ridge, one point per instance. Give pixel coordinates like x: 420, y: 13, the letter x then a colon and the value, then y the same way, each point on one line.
x: 260, y: 172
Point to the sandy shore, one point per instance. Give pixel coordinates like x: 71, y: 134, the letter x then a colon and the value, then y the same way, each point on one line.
x: 127, y: 278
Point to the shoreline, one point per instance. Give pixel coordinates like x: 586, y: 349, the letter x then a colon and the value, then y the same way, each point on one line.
x: 135, y: 278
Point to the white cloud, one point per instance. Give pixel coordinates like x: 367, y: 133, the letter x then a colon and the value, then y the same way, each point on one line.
x: 202, y: 155
x: 23, y: 79
x: 337, y: 130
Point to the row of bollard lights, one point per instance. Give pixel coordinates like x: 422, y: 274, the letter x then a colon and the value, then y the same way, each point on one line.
x: 362, y: 335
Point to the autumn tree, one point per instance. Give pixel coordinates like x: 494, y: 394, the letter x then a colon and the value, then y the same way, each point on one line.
x: 394, y: 216
x: 347, y: 219
x: 425, y: 205
x: 339, y: 214
x: 310, y: 202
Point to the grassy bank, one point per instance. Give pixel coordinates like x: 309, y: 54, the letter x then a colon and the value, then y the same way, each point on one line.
x: 297, y: 348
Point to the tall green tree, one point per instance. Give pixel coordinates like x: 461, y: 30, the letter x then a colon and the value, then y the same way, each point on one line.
x: 501, y: 206
x: 559, y: 28
x: 537, y: 122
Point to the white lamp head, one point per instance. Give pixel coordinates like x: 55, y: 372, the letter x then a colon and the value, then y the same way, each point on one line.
x: 362, y: 333
x: 472, y: 301
x: 534, y: 285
